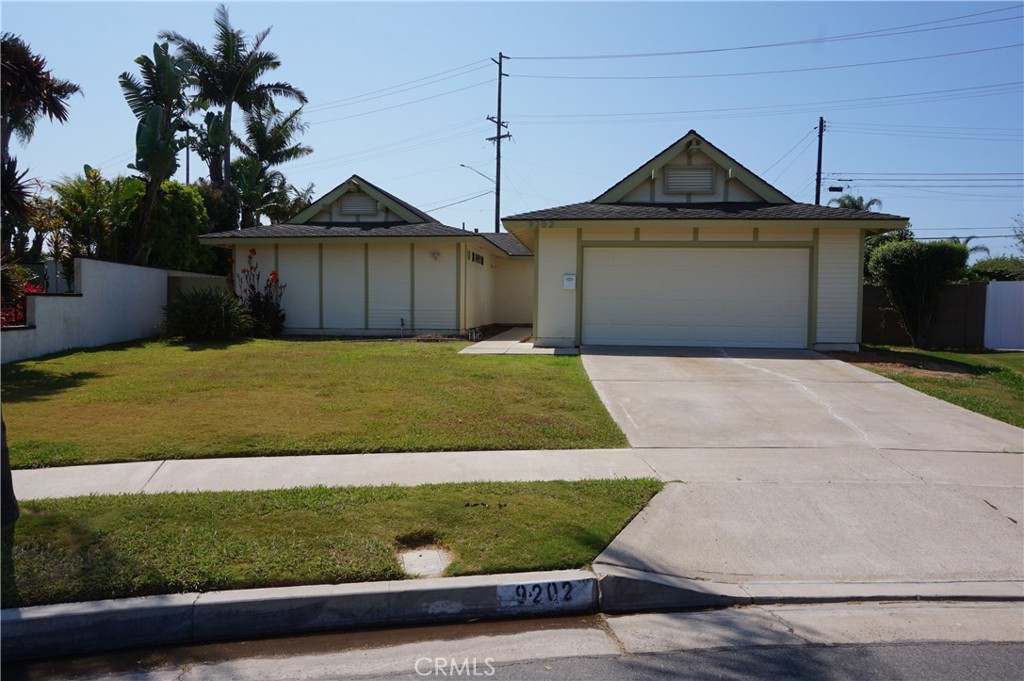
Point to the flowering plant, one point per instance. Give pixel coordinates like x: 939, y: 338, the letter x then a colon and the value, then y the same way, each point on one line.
x: 261, y: 298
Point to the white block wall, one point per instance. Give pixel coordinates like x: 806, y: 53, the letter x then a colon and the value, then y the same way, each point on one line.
x: 113, y: 303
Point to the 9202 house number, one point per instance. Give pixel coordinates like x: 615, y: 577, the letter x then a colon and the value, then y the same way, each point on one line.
x: 545, y: 596
x: 535, y: 594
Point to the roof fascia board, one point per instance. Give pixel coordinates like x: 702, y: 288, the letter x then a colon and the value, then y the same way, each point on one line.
x: 310, y: 240
x: 525, y: 226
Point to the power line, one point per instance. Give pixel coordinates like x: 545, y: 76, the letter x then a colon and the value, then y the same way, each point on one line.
x: 367, y: 96
x: 774, y: 71
x: 838, y: 174
x: 809, y: 133
x: 477, y: 196
x: 858, y: 102
x: 877, y: 33
x: 396, y: 106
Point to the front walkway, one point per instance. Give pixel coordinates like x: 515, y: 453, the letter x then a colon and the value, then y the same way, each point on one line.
x: 513, y: 342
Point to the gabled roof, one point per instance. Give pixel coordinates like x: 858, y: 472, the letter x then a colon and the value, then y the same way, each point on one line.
x: 693, y: 140
x: 406, y: 211
x: 700, y: 211
x: 508, y: 243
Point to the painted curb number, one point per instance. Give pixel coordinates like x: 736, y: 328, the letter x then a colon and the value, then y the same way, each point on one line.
x: 545, y: 595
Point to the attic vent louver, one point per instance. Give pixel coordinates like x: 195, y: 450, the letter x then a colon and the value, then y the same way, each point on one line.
x: 358, y: 204
x: 690, y: 180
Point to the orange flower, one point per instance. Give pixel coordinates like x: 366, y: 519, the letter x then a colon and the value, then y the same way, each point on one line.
x: 244, y: 271
x: 272, y: 277
x: 252, y: 251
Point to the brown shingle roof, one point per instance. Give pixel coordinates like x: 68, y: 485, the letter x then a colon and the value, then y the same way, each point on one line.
x: 508, y: 243
x: 700, y: 211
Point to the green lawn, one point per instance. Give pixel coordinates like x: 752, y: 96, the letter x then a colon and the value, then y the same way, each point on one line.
x: 157, y: 399
x: 97, y: 547
x: 989, y: 383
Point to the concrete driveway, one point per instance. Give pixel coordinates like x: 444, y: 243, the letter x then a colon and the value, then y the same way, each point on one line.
x: 797, y: 476
x: 777, y: 398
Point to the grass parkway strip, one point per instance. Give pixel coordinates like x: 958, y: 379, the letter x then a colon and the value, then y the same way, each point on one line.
x: 98, y: 547
x: 163, y: 400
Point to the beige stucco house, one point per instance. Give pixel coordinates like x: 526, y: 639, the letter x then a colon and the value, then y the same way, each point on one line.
x: 693, y: 249
x: 360, y: 261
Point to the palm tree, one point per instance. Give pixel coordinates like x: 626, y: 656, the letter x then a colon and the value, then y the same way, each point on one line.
x: 855, y: 202
x: 269, y: 142
x: 159, y: 103
x: 28, y: 91
x: 230, y: 74
x: 971, y: 250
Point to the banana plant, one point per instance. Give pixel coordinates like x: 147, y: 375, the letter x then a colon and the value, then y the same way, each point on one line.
x: 160, y: 104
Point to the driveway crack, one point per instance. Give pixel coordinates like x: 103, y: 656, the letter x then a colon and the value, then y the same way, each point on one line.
x: 813, y: 395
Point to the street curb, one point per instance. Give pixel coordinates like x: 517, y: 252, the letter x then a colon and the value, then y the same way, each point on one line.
x: 103, y: 626
x: 626, y: 590
x: 100, y: 626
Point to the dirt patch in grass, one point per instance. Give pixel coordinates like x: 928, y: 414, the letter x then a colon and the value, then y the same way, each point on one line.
x: 914, y: 366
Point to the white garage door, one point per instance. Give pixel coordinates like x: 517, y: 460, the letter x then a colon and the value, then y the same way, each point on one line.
x: 743, y: 297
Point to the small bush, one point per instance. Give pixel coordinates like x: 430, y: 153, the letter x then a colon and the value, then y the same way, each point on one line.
x: 912, y: 273
x: 1000, y: 268
x: 205, y: 314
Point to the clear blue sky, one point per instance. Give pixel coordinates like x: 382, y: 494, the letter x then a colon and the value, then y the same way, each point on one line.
x: 936, y: 138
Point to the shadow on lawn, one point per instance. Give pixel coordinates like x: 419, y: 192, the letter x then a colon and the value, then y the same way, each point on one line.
x: 198, y: 346
x: 24, y: 383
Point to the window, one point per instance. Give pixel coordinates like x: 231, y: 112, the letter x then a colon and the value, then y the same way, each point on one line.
x: 358, y: 204
x: 689, y: 179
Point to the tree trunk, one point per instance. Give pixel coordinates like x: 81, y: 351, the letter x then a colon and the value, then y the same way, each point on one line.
x: 140, y: 246
x: 9, y: 511
x: 227, y: 148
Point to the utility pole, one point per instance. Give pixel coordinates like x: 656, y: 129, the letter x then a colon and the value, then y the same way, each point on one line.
x: 817, y: 184
x: 498, y: 136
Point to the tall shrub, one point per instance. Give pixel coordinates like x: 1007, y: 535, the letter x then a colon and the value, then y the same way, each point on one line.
x: 912, y: 274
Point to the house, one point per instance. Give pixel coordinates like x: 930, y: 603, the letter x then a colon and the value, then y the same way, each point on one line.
x: 360, y: 261
x: 693, y: 249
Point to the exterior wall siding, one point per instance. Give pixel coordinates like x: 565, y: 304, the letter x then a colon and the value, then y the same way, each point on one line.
x: 838, y: 286
x: 435, y: 287
x: 556, y: 256
x: 344, y: 286
x: 298, y: 267
x: 479, y: 288
x: 390, y: 282
x: 514, y: 291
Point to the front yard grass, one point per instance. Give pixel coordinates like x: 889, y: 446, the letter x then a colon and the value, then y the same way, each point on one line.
x: 989, y: 383
x: 97, y: 547
x: 158, y: 399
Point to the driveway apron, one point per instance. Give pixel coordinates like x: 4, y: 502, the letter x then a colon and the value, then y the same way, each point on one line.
x: 796, y: 476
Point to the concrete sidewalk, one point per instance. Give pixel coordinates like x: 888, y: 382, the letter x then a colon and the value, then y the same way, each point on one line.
x: 282, y: 472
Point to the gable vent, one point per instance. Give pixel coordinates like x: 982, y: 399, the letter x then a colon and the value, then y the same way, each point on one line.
x: 358, y: 204
x: 690, y: 180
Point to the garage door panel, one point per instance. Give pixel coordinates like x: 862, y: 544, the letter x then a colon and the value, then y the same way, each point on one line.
x: 678, y: 296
